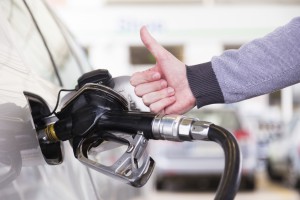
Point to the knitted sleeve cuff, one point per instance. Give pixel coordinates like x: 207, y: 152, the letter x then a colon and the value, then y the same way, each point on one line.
x: 204, y: 84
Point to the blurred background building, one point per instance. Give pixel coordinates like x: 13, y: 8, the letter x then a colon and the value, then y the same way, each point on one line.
x: 194, y: 31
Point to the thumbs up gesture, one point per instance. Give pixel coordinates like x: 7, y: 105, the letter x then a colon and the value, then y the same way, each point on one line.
x: 164, y: 87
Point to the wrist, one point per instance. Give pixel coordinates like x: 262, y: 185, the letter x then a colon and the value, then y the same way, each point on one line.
x: 204, y: 85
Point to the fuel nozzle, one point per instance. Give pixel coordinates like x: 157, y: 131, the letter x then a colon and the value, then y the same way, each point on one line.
x: 97, y: 113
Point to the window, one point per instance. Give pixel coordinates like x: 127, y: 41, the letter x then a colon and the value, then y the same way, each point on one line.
x: 139, y: 55
x: 231, y: 46
x: 28, y: 39
x: 275, y: 98
x: 67, y: 65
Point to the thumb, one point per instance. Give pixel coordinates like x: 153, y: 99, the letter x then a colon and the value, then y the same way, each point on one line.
x: 150, y: 43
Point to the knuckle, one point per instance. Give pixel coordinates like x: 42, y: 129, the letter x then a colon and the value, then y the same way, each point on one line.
x: 132, y: 81
x: 153, y: 108
x: 164, y: 93
x: 146, y: 74
x: 137, y: 92
x: 171, y: 99
x: 145, y: 100
x: 162, y: 84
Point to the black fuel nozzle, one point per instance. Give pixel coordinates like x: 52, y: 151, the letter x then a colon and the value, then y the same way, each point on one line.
x: 96, y: 113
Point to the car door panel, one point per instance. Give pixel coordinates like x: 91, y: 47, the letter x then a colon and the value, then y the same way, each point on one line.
x: 23, y: 171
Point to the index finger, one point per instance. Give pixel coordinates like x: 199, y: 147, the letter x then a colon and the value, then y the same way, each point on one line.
x: 144, y: 77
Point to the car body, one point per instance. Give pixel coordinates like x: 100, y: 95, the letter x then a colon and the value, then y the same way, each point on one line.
x: 38, y: 56
x: 204, y: 160
x: 283, y: 158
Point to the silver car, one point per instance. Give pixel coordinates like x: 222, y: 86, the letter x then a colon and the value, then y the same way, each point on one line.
x: 37, y: 58
x: 283, y: 158
x: 203, y: 162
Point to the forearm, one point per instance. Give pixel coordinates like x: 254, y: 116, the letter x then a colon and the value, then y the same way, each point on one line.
x: 258, y: 67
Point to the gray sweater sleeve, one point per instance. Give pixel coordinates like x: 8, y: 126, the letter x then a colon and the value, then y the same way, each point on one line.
x: 261, y: 66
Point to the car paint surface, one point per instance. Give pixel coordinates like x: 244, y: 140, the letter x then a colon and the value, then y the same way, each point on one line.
x: 24, y: 173
x: 283, y: 158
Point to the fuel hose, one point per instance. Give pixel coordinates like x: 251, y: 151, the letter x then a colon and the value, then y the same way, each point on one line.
x: 167, y: 127
x: 230, y: 180
x: 181, y: 128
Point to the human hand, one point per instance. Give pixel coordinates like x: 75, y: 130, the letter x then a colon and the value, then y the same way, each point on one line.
x: 164, y: 87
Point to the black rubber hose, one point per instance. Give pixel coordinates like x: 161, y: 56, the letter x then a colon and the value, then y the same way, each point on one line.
x: 230, y: 180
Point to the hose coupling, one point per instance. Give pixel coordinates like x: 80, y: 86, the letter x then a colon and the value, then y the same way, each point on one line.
x: 179, y: 128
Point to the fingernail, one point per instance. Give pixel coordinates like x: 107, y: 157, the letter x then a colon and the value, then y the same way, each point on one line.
x: 170, y: 90
x: 156, y: 75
